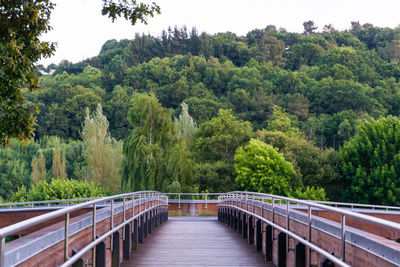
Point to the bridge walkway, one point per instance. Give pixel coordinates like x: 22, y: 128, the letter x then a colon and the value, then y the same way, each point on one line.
x: 195, y: 241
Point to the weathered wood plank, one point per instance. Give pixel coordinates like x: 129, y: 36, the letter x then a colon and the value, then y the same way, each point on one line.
x: 195, y: 241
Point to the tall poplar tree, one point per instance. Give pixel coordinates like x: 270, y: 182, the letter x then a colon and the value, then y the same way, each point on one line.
x: 102, y: 154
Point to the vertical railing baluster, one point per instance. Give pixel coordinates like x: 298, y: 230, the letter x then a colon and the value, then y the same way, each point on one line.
x: 133, y: 205
x: 2, y: 250
x: 66, y: 236
x: 94, y: 235
x: 309, y: 236
x: 343, y: 239
x: 287, y: 226
x: 273, y: 210
x: 123, y: 208
x: 112, y: 222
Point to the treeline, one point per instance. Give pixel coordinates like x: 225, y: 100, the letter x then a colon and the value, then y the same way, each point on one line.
x: 303, y: 94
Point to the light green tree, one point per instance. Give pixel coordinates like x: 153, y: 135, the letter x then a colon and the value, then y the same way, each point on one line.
x: 59, y: 162
x: 102, y: 153
x: 281, y: 121
x: 260, y: 168
x: 38, y: 168
x: 185, y: 126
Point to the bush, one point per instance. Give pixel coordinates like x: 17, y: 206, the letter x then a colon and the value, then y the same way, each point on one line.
x: 58, y: 189
x: 310, y: 193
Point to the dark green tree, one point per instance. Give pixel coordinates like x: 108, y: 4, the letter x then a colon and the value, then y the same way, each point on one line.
x: 309, y: 27
x: 219, y: 138
x: 21, y: 25
x: 371, y: 163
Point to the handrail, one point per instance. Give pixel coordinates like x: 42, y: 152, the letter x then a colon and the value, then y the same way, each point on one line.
x: 298, y: 238
x: 51, y: 201
x: 195, y: 194
x: 11, y: 229
x: 69, y: 202
x: 355, y: 215
x: 233, y: 198
x: 91, y: 245
x: 148, y: 195
x: 357, y: 205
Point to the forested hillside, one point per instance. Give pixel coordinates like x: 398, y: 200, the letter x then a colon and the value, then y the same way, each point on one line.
x: 303, y: 115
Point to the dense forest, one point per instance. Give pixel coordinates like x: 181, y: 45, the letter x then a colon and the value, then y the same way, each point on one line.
x: 309, y: 115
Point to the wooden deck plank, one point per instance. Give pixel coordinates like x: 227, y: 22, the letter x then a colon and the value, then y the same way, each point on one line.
x: 195, y: 241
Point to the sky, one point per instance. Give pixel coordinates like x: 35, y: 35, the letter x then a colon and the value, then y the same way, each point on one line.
x: 80, y: 30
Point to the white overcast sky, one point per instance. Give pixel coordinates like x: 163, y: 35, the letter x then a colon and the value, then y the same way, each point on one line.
x: 80, y: 30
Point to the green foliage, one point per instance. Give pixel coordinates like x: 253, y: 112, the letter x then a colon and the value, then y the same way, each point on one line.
x: 103, y: 154
x: 58, y: 189
x: 216, y: 176
x: 130, y: 10
x: 280, y: 121
x: 20, y: 195
x: 310, y: 193
x: 371, y: 162
x: 219, y: 138
x: 13, y: 173
x: 38, y: 168
x: 21, y: 25
x: 184, y: 125
x: 148, y: 148
x: 328, y: 83
x: 260, y: 168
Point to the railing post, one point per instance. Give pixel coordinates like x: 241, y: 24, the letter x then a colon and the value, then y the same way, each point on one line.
x: 343, y: 239
x: 287, y: 226
x: 94, y: 235
x: 2, y: 250
x: 123, y: 208
x: 112, y: 221
x: 273, y: 210
x: 66, y: 233
x: 309, y: 237
x: 133, y: 205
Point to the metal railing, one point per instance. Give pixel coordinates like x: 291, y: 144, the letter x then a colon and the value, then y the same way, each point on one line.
x: 184, y: 196
x: 48, y: 203
x: 181, y: 197
x: 147, y: 200
x: 232, y: 199
x: 357, y: 205
x: 205, y: 196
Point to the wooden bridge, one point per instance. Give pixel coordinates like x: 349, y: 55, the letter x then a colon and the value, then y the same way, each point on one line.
x: 251, y: 229
x: 195, y: 241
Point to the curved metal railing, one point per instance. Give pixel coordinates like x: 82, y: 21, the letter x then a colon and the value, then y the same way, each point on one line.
x: 148, y: 199
x: 181, y: 196
x: 232, y: 199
